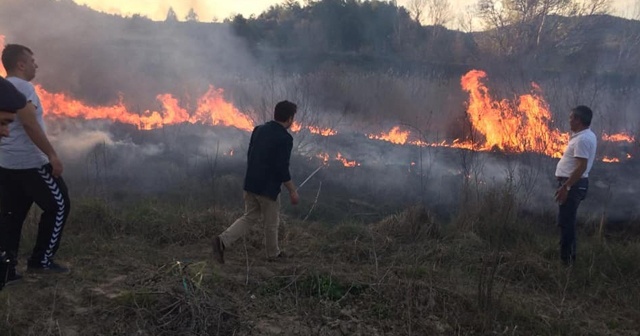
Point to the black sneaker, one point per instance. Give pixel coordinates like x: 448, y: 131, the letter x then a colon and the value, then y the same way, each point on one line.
x: 280, y: 257
x: 13, y: 277
x: 52, y: 268
x: 218, y: 250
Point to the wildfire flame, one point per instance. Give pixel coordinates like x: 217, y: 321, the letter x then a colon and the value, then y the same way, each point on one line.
x: 322, y: 131
x: 346, y: 162
x: 521, y: 127
x: 516, y: 126
x: 296, y: 127
x: 339, y: 157
x: 324, y: 157
x: 2, y: 72
x: 508, y: 126
x: 396, y: 136
x: 212, y: 109
x: 618, y: 137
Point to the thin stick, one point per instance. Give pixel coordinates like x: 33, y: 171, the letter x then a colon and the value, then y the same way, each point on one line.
x: 313, y: 206
x: 309, y: 177
x: 246, y: 255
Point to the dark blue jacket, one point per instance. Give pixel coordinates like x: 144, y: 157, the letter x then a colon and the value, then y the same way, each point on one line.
x: 268, y: 159
x: 11, y: 100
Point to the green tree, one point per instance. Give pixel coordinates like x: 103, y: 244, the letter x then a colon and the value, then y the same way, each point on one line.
x: 171, y: 15
x: 192, y: 16
x: 518, y: 27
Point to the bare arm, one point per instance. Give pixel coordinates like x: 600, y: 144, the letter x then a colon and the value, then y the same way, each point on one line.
x: 293, y: 192
x: 290, y: 186
x: 577, y: 173
x: 27, y: 117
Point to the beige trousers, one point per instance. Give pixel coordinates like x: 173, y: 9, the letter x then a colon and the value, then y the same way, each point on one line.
x: 256, y: 206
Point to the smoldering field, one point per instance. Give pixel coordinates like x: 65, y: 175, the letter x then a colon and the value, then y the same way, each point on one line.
x: 207, y: 163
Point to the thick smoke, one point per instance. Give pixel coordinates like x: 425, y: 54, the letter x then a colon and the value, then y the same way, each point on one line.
x: 135, y: 60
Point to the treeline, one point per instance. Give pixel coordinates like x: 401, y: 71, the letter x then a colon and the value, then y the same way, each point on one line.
x: 365, y: 33
x: 574, y: 36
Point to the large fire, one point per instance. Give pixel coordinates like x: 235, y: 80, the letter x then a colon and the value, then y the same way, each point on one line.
x: 521, y: 125
x: 212, y: 109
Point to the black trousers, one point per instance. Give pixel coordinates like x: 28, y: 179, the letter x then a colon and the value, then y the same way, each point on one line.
x: 19, y: 189
x: 567, y: 216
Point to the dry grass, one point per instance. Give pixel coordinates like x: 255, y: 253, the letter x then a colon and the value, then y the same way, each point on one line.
x: 146, y: 270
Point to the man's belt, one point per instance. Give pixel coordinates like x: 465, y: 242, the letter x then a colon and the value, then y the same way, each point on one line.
x: 564, y: 179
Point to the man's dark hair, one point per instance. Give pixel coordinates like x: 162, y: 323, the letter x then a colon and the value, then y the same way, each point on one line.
x: 12, y: 54
x: 584, y: 114
x: 284, y: 110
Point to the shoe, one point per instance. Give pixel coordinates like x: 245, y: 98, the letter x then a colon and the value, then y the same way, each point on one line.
x: 218, y: 250
x: 52, y: 268
x: 13, y: 277
x: 281, y: 256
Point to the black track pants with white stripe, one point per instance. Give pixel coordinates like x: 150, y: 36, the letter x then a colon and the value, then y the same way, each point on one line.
x: 19, y: 189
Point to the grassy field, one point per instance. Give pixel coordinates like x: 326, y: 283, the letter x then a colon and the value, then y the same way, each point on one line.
x: 145, y: 268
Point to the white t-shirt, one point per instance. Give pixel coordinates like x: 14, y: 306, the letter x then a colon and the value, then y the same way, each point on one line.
x: 17, y: 151
x: 581, y: 145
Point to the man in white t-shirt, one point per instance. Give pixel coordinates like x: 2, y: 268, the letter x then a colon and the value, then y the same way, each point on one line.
x: 30, y: 172
x: 572, y: 173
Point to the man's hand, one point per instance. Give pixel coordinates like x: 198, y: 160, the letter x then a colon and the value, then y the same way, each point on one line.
x: 561, y: 195
x: 294, y: 197
x: 56, y: 164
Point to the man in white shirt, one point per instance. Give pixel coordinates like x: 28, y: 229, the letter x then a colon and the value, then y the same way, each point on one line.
x: 30, y: 172
x: 572, y: 173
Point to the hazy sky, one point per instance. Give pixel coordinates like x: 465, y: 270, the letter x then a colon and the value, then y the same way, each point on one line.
x: 221, y: 9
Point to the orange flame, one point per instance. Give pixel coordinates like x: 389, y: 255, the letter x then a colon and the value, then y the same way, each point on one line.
x: 296, y: 127
x: 521, y: 128
x: 504, y: 125
x: 322, y: 131
x: 618, y: 137
x: 212, y: 109
x: 324, y: 157
x: 346, y: 162
x: 2, y: 41
x: 396, y: 136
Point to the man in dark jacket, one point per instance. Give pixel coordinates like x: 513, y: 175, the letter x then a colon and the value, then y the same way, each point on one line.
x: 267, y: 169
